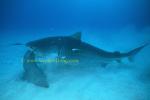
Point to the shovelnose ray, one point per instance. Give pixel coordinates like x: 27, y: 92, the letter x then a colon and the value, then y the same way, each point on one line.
x: 66, y: 48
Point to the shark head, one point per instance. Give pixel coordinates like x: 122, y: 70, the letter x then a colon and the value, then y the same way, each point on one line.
x: 50, y: 43
x: 43, y: 43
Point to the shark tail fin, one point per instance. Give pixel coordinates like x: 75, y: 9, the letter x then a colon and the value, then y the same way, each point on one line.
x: 131, y: 54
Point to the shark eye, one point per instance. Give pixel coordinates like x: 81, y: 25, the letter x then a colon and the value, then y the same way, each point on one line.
x: 63, y: 57
x: 32, y: 48
x: 75, y: 49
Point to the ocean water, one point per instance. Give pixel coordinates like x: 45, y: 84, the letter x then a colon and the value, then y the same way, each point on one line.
x: 111, y: 25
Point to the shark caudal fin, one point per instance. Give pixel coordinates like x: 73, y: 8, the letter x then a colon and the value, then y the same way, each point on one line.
x: 135, y: 51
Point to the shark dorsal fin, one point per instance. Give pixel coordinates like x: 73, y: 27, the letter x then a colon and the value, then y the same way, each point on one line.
x: 77, y: 35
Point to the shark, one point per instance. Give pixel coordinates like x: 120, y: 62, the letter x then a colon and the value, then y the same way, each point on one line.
x: 58, y: 51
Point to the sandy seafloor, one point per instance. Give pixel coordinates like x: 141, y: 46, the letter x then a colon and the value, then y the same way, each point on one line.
x: 125, y: 81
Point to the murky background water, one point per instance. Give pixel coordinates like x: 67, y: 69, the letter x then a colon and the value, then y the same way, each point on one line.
x: 111, y: 25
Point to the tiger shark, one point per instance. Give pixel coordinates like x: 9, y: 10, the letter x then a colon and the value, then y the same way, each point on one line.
x: 66, y: 48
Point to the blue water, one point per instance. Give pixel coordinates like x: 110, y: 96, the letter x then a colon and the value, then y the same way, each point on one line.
x: 112, y: 25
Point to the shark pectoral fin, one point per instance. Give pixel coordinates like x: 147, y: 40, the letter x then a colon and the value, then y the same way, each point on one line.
x: 33, y: 73
x: 118, y: 60
x: 77, y: 35
x: 131, y: 58
x: 37, y: 77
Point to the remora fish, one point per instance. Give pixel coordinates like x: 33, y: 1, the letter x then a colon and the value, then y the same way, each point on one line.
x: 66, y: 48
